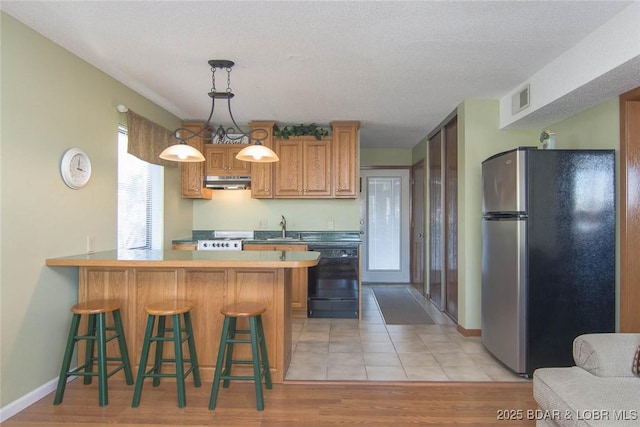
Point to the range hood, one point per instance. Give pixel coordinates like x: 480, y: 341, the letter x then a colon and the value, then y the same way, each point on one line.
x: 227, y: 182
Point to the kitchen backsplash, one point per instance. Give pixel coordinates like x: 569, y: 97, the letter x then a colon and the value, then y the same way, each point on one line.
x: 271, y: 234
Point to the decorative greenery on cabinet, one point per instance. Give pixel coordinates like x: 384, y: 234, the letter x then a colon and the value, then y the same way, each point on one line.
x: 300, y: 130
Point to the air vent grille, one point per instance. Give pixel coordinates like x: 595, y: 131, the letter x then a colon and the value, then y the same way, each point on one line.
x: 520, y: 100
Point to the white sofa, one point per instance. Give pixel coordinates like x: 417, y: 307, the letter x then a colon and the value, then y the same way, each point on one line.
x: 600, y: 391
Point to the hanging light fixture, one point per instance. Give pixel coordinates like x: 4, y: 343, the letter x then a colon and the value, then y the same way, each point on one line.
x: 182, y: 152
x: 254, y: 152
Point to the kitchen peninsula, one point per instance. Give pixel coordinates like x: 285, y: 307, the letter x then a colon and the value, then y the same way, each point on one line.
x: 209, y: 279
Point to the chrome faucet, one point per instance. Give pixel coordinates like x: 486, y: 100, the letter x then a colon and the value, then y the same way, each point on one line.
x: 283, y: 225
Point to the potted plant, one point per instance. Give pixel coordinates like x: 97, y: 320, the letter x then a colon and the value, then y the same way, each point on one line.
x: 548, y: 139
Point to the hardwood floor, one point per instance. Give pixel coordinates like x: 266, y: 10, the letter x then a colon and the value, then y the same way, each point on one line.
x: 320, y: 403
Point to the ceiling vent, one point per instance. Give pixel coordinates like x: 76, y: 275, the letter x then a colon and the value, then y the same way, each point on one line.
x: 520, y: 100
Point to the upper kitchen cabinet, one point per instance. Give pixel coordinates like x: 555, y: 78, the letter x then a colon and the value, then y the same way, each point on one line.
x: 262, y: 173
x: 304, y: 169
x: 193, y: 173
x: 308, y: 168
x: 221, y: 160
x: 345, y: 159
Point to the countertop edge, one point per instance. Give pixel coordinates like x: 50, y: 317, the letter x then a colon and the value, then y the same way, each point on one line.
x: 57, y: 262
x: 188, y: 259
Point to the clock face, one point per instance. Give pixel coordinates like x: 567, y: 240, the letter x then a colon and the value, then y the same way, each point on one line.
x: 75, y: 168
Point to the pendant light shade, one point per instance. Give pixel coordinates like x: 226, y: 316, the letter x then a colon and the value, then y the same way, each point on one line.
x: 182, y: 153
x: 257, y: 153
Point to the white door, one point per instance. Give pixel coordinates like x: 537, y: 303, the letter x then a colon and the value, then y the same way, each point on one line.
x: 384, y: 222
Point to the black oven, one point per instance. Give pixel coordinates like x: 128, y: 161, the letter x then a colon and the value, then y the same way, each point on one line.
x: 333, y: 284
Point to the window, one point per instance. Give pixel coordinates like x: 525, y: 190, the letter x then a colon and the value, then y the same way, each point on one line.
x: 140, y: 200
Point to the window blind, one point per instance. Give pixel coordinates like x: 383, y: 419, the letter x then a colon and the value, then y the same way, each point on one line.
x: 140, y: 200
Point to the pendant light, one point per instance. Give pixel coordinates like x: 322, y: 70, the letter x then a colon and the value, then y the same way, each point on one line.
x: 255, y: 152
x: 182, y: 152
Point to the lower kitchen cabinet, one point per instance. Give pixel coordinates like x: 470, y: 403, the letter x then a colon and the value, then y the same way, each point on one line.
x: 184, y: 246
x: 298, y: 279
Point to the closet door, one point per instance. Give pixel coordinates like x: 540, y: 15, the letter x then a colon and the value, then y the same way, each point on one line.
x: 435, y: 220
x: 443, y: 218
x: 417, y: 226
x: 451, y: 218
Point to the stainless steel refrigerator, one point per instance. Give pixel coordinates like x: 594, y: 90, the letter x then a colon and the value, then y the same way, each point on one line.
x: 548, y: 253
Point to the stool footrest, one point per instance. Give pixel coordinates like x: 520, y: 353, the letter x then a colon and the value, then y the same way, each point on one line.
x: 238, y: 341
x: 94, y: 338
x: 183, y: 338
x: 77, y: 371
x: 174, y: 361
x: 150, y: 374
x: 241, y: 362
x: 238, y: 377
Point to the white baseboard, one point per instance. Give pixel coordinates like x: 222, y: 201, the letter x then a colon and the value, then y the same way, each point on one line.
x: 29, y: 399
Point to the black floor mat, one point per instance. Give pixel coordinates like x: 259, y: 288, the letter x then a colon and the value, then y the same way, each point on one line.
x: 399, y: 307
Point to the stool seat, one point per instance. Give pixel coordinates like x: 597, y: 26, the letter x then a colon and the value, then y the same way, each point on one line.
x: 95, y: 307
x: 173, y: 309
x: 243, y: 309
x: 96, y: 336
x: 169, y: 308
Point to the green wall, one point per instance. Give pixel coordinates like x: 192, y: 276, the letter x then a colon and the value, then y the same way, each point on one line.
x: 386, y: 157
x: 236, y: 210
x: 51, y: 101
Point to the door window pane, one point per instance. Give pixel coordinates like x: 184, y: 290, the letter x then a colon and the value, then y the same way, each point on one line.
x: 384, y: 221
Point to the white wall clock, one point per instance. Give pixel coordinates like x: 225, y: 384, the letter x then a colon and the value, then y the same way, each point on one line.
x: 75, y: 168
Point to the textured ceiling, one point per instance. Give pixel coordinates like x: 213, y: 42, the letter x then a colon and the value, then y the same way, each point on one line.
x: 398, y: 67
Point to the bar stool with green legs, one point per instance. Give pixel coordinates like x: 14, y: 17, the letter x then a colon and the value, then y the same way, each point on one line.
x: 179, y: 334
x: 96, y: 333
x: 256, y: 339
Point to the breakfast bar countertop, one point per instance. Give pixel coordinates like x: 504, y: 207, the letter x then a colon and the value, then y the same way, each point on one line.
x: 186, y: 259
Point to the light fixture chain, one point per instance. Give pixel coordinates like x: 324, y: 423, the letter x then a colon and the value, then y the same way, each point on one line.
x: 213, y: 79
x: 228, y: 79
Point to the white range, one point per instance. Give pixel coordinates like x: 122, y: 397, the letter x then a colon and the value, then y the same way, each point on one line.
x: 225, y: 241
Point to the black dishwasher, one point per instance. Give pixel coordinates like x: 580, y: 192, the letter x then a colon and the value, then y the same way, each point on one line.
x: 333, y: 284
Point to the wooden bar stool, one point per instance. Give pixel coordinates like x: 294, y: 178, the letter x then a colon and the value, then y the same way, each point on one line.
x: 96, y: 332
x: 256, y: 339
x: 179, y: 335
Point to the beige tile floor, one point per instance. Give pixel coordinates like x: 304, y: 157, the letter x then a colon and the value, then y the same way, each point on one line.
x: 370, y: 350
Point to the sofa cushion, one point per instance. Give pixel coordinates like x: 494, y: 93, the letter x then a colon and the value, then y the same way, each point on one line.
x: 574, y: 397
x: 606, y: 355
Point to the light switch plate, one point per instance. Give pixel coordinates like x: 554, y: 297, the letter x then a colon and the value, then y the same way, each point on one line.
x: 91, y: 244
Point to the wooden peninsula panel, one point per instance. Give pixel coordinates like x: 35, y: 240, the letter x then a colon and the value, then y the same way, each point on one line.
x: 210, y: 288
